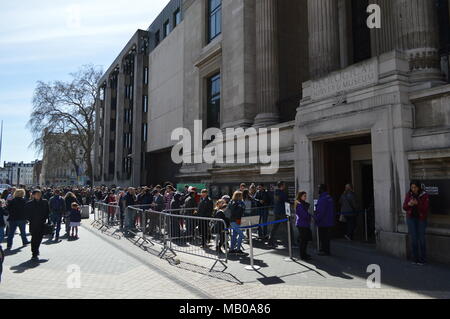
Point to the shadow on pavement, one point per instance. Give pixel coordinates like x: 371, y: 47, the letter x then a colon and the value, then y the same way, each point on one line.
x: 28, y: 265
x: 13, y: 252
x: 220, y: 275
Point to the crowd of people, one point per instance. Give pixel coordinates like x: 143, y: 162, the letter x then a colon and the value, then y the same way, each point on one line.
x: 47, y: 209
x: 44, y: 210
x: 246, y: 201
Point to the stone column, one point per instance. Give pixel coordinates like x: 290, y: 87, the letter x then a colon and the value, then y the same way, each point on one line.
x: 267, y: 81
x: 417, y: 33
x: 383, y: 40
x: 324, y: 46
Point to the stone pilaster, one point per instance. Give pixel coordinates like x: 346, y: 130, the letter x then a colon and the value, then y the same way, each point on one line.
x: 267, y: 80
x: 107, y: 129
x: 120, y: 115
x: 324, y: 46
x: 137, y: 119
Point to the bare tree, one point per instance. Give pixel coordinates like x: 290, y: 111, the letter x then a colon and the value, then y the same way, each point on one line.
x: 67, y: 109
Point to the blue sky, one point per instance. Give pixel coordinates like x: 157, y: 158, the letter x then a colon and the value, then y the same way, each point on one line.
x: 48, y: 39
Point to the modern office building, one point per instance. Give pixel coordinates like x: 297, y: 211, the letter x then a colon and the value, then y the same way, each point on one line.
x: 353, y: 104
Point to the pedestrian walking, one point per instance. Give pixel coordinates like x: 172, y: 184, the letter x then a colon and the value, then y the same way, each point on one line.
x: 303, y: 224
x: 325, y: 219
x: 3, y: 217
x: 37, y: 211
x: 348, y: 210
x: 17, y: 218
x: 57, y: 209
x: 416, y: 206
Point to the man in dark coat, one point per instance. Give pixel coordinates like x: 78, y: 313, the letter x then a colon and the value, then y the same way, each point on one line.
x: 325, y: 219
x: 190, y: 206
x: 57, y: 208
x: 281, y: 198
x: 205, y: 209
x: 130, y: 215
x: 263, y: 202
x: 37, y: 211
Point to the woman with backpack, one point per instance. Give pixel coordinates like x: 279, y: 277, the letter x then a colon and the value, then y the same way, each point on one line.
x: 237, y: 209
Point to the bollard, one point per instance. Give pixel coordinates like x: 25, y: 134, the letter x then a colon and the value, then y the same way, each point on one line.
x: 291, y: 258
x: 252, y: 266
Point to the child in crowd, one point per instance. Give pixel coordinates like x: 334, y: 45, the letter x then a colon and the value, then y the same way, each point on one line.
x: 75, y: 220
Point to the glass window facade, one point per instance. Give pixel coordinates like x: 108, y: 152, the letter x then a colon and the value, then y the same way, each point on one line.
x: 213, y: 105
x: 214, y: 18
x: 176, y: 18
x: 166, y: 28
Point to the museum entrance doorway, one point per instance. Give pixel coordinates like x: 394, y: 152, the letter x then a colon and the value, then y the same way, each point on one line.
x: 343, y: 161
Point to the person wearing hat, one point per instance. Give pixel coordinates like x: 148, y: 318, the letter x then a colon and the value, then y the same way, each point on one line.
x: 226, y: 198
x: 37, y: 211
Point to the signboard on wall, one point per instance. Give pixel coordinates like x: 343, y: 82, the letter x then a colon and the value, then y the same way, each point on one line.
x: 439, y: 192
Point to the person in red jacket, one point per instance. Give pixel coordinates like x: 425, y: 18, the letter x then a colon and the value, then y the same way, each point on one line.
x: 417, y: 206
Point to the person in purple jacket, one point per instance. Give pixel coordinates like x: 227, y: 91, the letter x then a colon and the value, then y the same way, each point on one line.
x: 303, y: 224
x: 325, y: 219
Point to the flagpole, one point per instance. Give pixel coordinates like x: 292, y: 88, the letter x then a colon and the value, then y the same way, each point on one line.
x: 1, y: 142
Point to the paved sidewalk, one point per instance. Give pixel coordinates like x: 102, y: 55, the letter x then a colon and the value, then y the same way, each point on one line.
x: 105, y: 272
x: 116, y: 268
x: 341, y: 276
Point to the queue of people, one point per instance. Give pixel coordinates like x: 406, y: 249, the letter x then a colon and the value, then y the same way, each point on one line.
x: 20, y: 207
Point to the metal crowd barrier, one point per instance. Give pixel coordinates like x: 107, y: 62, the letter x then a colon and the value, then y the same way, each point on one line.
x: 197, y: 236
x: 147, y: 226
x: 178, y: 231
x: 106, y: 217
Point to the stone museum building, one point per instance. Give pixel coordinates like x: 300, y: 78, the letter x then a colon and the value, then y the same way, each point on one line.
x: 355, y: 105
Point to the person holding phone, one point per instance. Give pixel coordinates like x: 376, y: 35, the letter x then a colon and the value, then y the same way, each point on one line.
x: 416, y: 206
